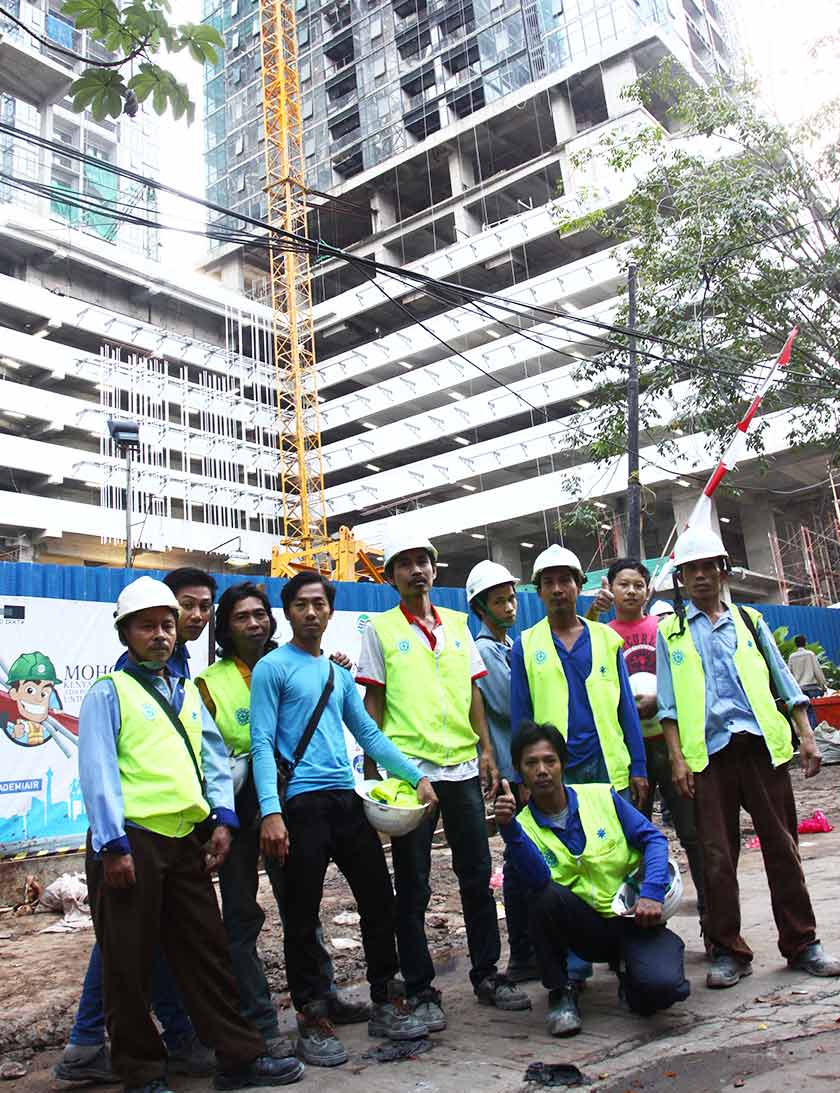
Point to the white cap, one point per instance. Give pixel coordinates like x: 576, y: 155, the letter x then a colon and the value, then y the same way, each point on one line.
x: 142, y: 593
x: 397, y: 545
x: 555, y: 556
x: 697, y: 543
x: 661, y: 607
x: 486, y: 575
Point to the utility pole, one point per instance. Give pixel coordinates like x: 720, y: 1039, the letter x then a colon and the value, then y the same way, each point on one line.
x: 634, y: 486
x: 126, y: 439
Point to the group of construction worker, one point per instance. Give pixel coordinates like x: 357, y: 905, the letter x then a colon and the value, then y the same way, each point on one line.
x: 564, y: 735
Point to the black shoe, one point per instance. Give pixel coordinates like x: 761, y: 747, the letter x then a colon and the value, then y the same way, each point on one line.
x: 190, y: 1056
x: 815, y: 961
x: 523, y: 971
x: 563, y: 1017
x: 81, y: 1063
x: 726, y: 971
x: 157, y: 1086
x: 498, y: 991
x: 318, y: 1044
x: 344, y: 1011
x: 262, y: 1072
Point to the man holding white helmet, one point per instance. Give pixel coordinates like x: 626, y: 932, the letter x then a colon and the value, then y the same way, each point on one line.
x: 574, y: 846
x: 154, y: 771
x: 719, y: 676
x: 420, y: 666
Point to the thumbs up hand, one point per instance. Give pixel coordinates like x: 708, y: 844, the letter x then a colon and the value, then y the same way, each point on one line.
x: 505, y: 805
x: 604, y: 599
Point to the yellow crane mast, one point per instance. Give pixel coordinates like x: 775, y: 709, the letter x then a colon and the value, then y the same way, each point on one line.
x: 305, y: 544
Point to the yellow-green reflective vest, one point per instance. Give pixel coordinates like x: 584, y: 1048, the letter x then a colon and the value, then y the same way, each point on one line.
x: 159, y: 786
x: 607, y: 857
x: 232, y: 698
x: 427, y: 692
x: 550, y: 690
x: 689, y: 683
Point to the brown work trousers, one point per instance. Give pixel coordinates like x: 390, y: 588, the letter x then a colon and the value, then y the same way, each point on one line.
x: 741, y: 774
x: 172, y: 907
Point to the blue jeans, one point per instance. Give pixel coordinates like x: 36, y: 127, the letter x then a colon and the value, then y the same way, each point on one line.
x: 89, y: 1026
x: 462, y: 808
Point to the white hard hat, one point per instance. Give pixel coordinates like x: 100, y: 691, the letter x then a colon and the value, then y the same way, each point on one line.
x: 486, y: 575
x: 142, y: 593
x: 554, y: 556
x: 389, y: 819
x: 697, y: 543
x: 406, y: 542
x: 628, y: 894
x: 661, y: 607
x: 642, y: 684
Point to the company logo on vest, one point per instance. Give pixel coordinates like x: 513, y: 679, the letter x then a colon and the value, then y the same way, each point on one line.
x: 243, y: 715
x: 404, y: 645
x: 677, y: 657
x: 541, y: 656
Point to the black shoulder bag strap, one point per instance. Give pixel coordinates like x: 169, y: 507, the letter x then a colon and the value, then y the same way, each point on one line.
x: 174, y: 719
x: 286, y: 768
x: 781, y: 705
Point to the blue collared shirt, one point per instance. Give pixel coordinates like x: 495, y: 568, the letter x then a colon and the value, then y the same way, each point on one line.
x: 99, y: 730
x: 727, y: 708
x: 178, y: 664
x: 495, y: 690
x: 639, y: 832
x: 583, y: 741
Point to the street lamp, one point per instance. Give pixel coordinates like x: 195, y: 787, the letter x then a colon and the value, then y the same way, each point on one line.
x: 126, y: 437
x: 236, y: 557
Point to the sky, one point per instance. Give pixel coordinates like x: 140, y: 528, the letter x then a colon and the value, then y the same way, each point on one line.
x: 775, y: 35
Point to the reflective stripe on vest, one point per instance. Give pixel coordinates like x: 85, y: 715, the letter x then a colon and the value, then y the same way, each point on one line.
x: 427, y: 692
x: 689, y: 682
x: 550, y: 690
x: 159, y: 788
x: 232, y: 699
x: 598, y: 873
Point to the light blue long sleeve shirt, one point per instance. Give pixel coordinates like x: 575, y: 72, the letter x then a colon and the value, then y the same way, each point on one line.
x: 285, y: 687
x: 495, y: 690
x: 99, y: 775
x: 727, y: 708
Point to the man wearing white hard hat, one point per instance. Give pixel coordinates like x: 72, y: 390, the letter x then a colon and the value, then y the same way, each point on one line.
x: 420, y: 666
x: 154, y: 774
x: 719, y: 675
x: 491, y: 594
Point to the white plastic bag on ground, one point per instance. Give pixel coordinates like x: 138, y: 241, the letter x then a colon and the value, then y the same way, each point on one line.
x: 828, y: 741
x: 68, y: 896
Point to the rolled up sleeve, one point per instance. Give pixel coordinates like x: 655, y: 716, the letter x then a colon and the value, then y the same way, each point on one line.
x: 666, y: 702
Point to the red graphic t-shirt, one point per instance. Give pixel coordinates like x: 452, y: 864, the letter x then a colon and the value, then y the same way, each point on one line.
x: 640, y: 655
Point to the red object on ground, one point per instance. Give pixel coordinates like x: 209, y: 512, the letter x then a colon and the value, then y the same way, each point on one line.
x: 753, y: 843
x: 815, y: 824
x: 827, y: 709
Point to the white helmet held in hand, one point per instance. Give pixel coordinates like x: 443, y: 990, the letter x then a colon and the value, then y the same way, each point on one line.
x: 486, y: 575
x: 627, y: 896
x: 400, y: 543
x: 660, y: 608
x: 697, y: 543
x: 553, y: 557
x: 142, y: 593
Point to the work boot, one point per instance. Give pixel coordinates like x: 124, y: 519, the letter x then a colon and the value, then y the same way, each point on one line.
x: 498, y: 991
x: 318, y: 1044
x: 427, y: 1008
x: 563, y: 1017
x: 85, y: 1063
x: 190, y: 1056
x: 815, y: 961
x: 523, y: 971
x: 159, y: 1085
x: 260, y: 1073
x: 342, y: 1010
x: 726, y: 971
x: 279, y: 1046
x: 395, y: 1019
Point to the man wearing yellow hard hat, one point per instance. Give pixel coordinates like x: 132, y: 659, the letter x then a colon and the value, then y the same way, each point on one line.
x: 720, y: 680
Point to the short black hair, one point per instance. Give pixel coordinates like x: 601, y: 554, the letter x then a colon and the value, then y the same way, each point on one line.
x: 800, y: 640
x: 307, y: 576
x: 531, y: 732
x: 227, y: 602
x: 186, y: 576
x: 628, y: 563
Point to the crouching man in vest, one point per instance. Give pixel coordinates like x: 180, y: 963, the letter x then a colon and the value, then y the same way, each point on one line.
x: 150, y: 760
x: 573, y: 847
x: 729, y: 747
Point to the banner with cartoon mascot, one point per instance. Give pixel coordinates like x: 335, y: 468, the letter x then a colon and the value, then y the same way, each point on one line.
x: 51, y: 651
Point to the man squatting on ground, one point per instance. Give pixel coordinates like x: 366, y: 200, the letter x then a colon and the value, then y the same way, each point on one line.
x: 153, y: 769
x: 573, y: 847
x: 420, y: 666
x: 716, y: 670
x: 322, y: 819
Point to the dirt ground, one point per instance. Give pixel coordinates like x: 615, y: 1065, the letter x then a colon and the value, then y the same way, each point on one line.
x: 42, y: 976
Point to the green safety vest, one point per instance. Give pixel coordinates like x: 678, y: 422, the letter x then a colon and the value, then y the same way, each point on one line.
x: 427, y: 692
x: 689, y: 682
x: 607, y: 857
x: 232, y: 698
x: 160, y: 790
x: 550, y: 690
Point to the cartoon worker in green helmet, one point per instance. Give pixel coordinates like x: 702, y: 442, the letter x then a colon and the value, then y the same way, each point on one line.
x: 31, y: 682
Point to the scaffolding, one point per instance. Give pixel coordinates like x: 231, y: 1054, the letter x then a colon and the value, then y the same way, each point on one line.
x: 806, y: 551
